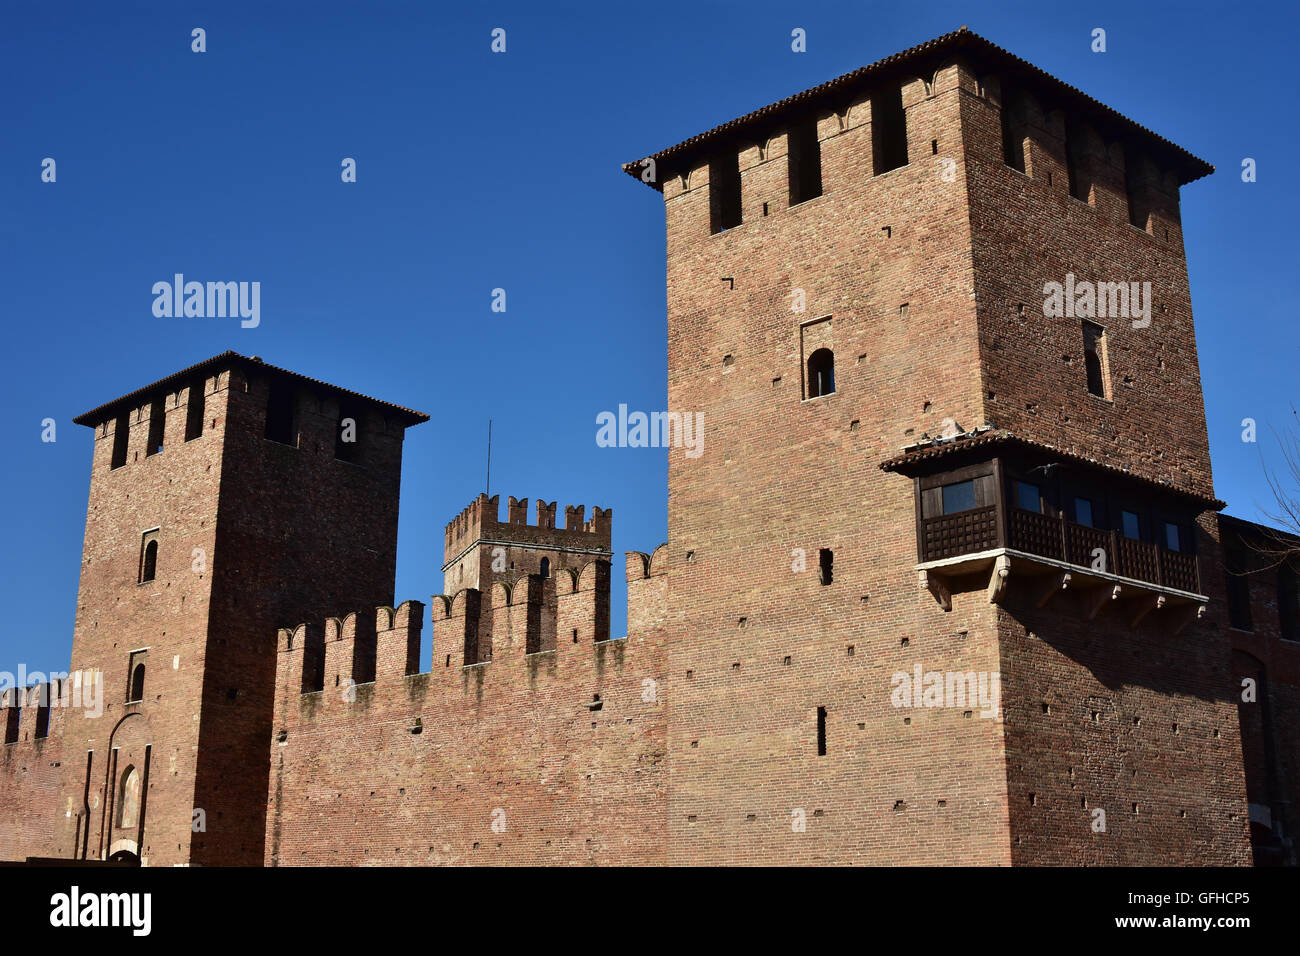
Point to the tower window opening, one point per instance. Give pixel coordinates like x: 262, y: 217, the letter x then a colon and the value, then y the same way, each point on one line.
x: 546, y: 567
x: 194, y: 411
x: 821, y: 731
x: 121, y: 437
x: 1013, y: 141
x: 1076, y: 162
x: 347, y: 434
x: 137, y: 683
x: 279, y: 414
x: 1288, y: 602
x: 888, y: 130
x: 724, y: 193
x: 42, y: 712
x: 13, y: 715
x: 1238, y: 586
x: 804, y: 162
x: 826, y: 560
x: 157, y: 421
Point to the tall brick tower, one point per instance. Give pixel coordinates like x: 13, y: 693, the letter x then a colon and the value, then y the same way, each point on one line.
x: 480, y: 550
x: 225, y: 499
x: 859, y: 294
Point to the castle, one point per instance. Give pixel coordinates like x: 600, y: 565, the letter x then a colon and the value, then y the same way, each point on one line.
x: 948, y: 586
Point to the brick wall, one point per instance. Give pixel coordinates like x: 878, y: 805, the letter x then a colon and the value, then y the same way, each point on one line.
x: 552, y: 757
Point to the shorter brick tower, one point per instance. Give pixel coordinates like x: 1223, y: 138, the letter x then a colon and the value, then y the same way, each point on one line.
x: 225, y: 499
x: 481, y: 551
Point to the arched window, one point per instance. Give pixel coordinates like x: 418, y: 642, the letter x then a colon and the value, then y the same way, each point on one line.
x: 149, y: 566
x: 821, y: 373
x: 128, y: 798
x: 137, y: 682
x: 546, y: 567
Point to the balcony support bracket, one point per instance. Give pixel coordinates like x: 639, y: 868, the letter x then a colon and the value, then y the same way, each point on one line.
x: 1055, y: 585
x: 1145, y: 605
x: 998, y: 579
x: 938, y: 587
x: 1093, y: 603
x: 1191, y: 612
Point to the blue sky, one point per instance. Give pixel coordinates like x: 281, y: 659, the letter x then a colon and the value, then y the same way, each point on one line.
x: 479, y: 171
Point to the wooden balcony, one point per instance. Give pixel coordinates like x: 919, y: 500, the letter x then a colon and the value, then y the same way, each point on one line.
x: 1048, y: 555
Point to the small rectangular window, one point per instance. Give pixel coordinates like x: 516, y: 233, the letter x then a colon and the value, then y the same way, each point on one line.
x: 121, y: 437
x: 194, y: 410
x: 1083, y: 512
x: 821, y: 731
x: 826, y: 560
x: 1028, y: 497
x: 888, y: 130
x: 1131, y: 525
x: 804, y: 162
x: 157, y: 422
x: 724, y: 193
x: 958, y: 497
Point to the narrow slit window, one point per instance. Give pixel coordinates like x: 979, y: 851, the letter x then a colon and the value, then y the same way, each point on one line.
x: 805, y: 162
x: 194, y: 411
x: 826, y: 561
x: 1095, y: 359
x: 13, y: 715
x: 546, y: 567
x: 888, y: 130
x: 157, y: 423
x: 121, y: 438
x: 137, y: 682
x: 821, y: 731
x: 724, y: 193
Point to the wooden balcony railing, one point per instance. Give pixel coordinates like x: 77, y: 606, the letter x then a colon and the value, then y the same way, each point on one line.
x: 970, y: 532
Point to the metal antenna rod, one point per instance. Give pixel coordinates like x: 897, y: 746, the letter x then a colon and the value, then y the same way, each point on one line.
x: 488, y: 483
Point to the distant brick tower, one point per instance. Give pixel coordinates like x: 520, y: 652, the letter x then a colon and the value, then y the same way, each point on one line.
x: 480, y: 550
x: 225, y: 499
x: 858, y: 291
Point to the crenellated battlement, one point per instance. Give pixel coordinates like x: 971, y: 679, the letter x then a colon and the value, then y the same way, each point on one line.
x: 515, y: 620
x: 480, y: 521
